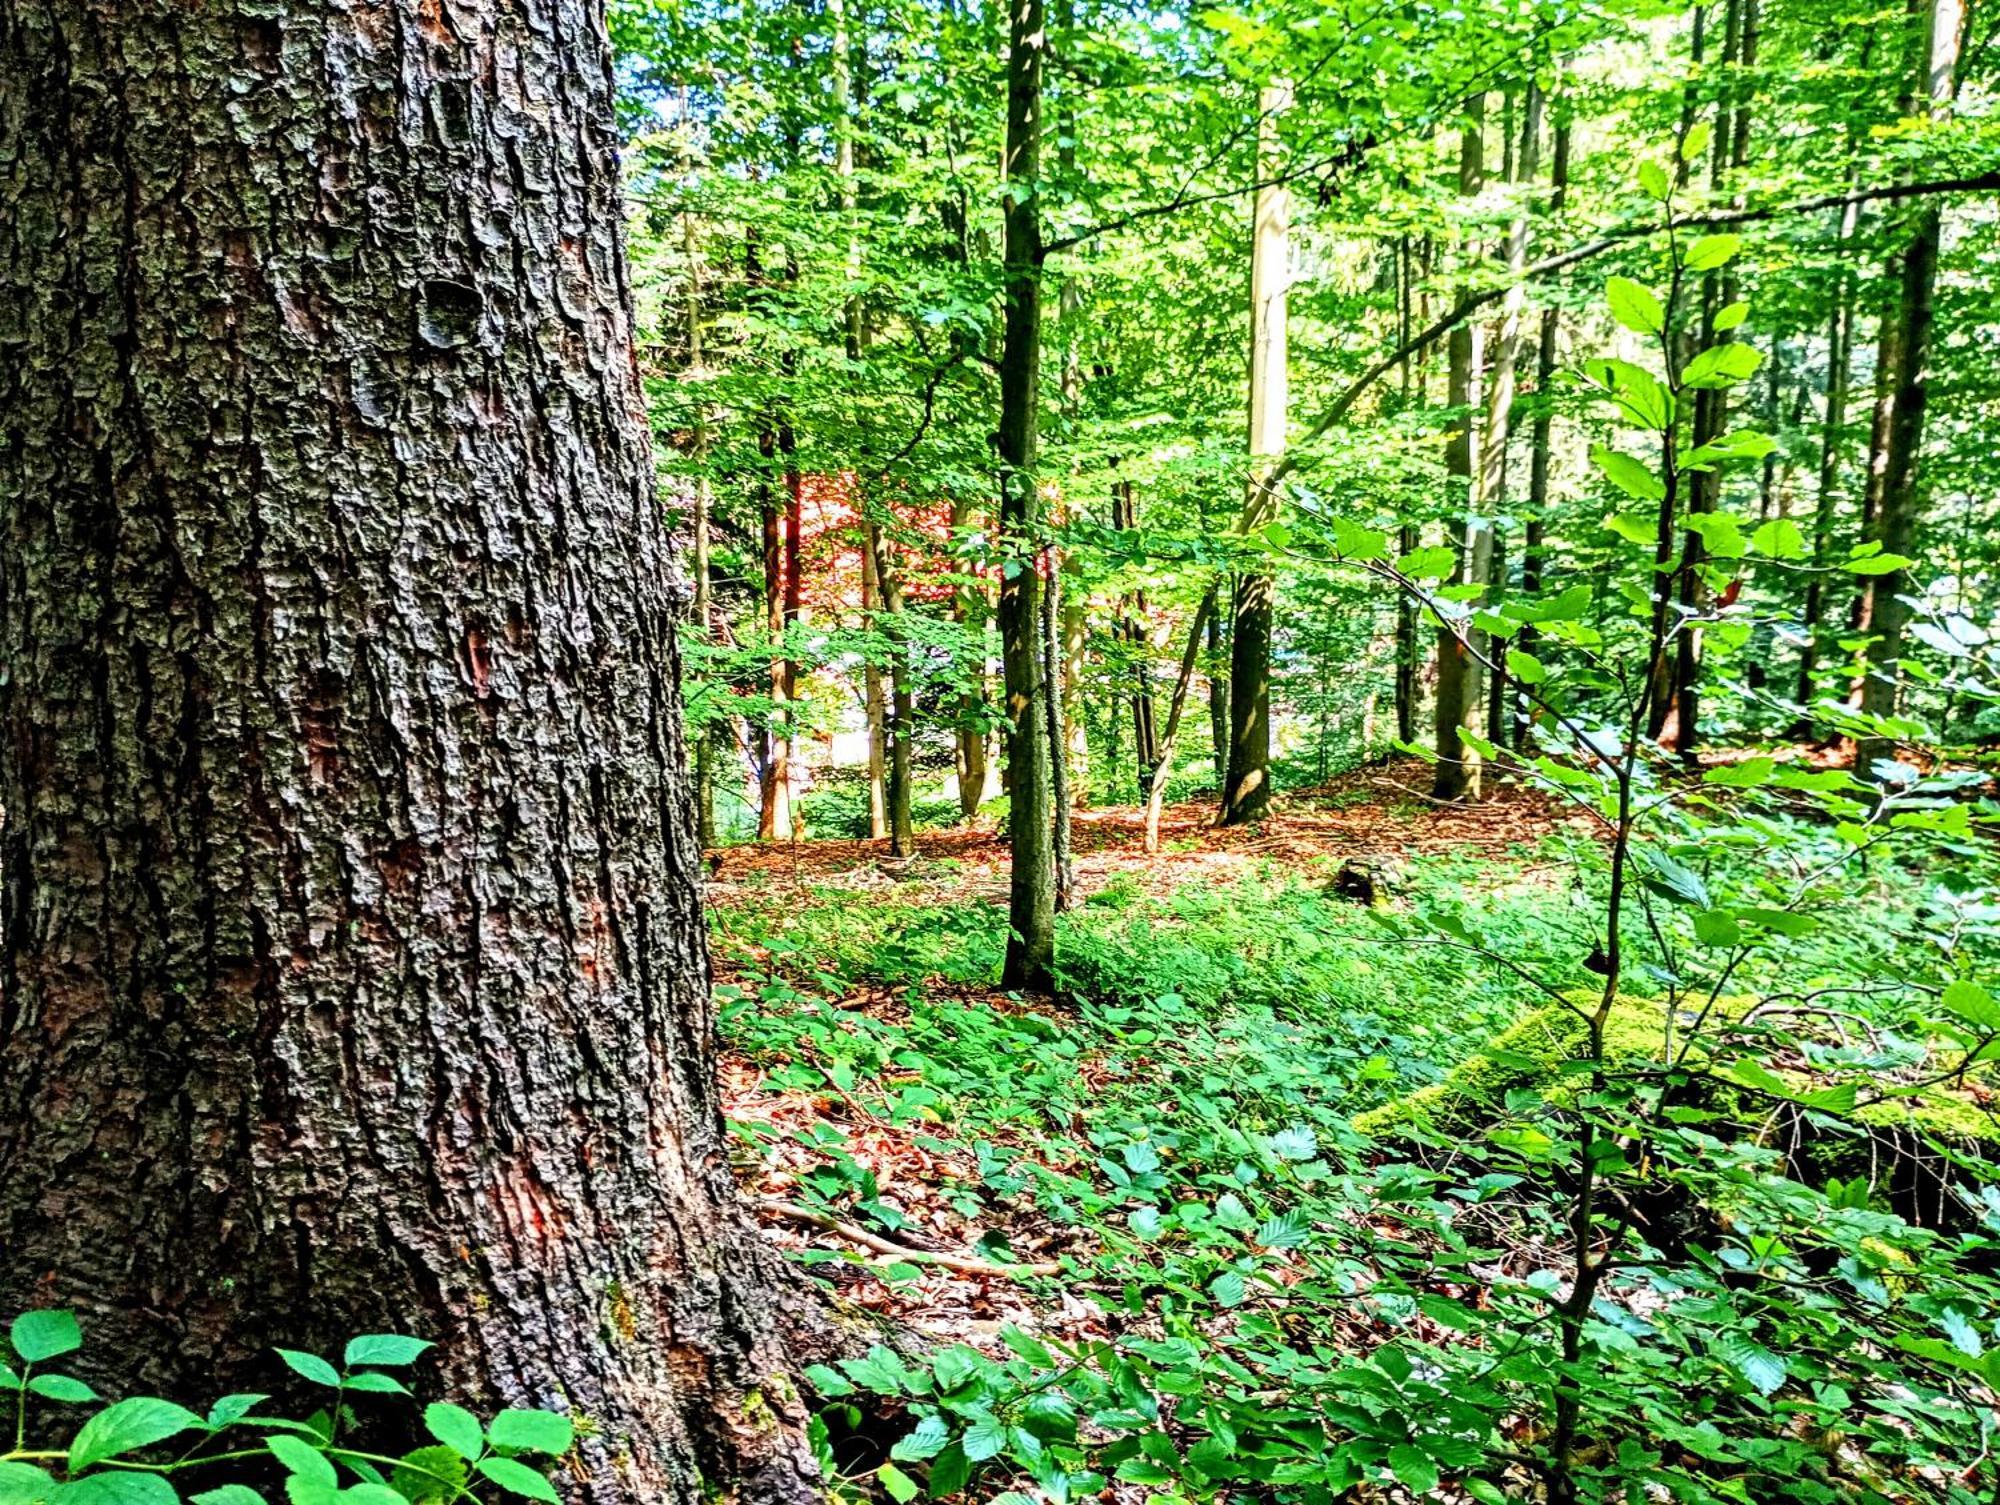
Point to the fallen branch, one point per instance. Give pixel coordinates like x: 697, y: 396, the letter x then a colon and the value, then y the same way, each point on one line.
x: 963, y: 1264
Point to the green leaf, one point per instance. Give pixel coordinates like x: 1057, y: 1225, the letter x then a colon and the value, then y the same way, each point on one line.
x: 45, y: 1335
x: 926, y: 1440
x: 1634, y: 306
x: 828, y: 1381
x: 899, y: 1486
x: 518, y: 1478
x: 1671, y: 880
x: 984, y: 1438
x: 388, y: 1350
x: 1716, y: 927
x: 1653, y: 179
x: 1525, y: 667
x: 127, y: 1426
x: 376, y: 1384
x: 229, y: 1494
x: 1877, y: 564
x: 1780, y: 538
x: 233, y: 1408
x: 1747, y: 774
x: 1730, y: 315
x: 1228, y: 1288
x: 1712, y: 251
x: 428, y: 1475
x: 1358, y: 544
x: 310, y: 1366
x: 1974, y: 1004
x: 1629, y: 474
x: 1633, y: 527
x: 1722, y: 365
x: 1413, y: 1468
x: 1434, y: 563
x: 62, y: 1388
x: 532, y: 1432
x: 950, y: 1473
x: 1763, y: 1369
x: 24, y: 1484
x: 302, y: 1458
x: 455, y: 1427
x: 1696, y: 141
x: 118, y: 1486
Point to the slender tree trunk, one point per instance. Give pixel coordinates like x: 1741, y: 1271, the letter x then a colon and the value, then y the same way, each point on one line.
x: 1132, y: 633
x: 1030, y: 957
x: 969, y: 611
x: 1052, y: 713
x: 1246, y: 792
x: 1458, y: 770
x: 352, y: 972
x: 898, y: 703
x: 1897, y: 523
x: 1729, y: 154
x: 1218, y: 695
x: 1826, y: 503
x: 1534, y: 529
x: 1406, y: 536
x: 774, y: 812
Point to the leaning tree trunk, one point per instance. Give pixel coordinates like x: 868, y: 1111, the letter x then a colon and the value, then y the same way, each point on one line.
x: 353, y: 974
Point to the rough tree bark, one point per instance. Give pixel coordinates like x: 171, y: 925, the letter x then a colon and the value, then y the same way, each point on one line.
x: 353, y: 974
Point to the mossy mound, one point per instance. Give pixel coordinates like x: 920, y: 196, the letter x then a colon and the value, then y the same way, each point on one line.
x: 1531, y: 1056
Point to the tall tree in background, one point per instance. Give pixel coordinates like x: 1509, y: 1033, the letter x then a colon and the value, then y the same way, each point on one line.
x: 1458, y: 681
x: 1885, y: 609
x: 353, y: 975
x: 1246, y: 792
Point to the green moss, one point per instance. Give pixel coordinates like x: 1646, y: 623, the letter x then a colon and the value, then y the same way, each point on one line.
x: 1529, y: 1057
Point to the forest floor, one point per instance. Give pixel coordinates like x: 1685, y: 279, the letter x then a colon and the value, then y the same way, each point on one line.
x: 1378, y: 815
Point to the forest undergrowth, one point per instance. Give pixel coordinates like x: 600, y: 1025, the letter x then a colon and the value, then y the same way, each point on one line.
x: 1130, y: 1237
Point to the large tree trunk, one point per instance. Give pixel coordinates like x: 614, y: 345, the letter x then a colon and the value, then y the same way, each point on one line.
x: 1031, y: 911
x: 353, y: 974
x: 1246, y: 793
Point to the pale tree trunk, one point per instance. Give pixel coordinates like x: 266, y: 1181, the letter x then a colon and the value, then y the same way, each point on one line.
x: 1030, y: 956
x: 873, y: 708
x: 1246, y: 793
x: 1897, y: 523
x: 352, y: 973
x: 1458, y: 765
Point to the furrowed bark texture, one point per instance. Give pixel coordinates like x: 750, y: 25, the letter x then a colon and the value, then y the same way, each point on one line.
x: 353, y: 974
